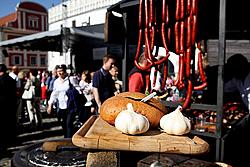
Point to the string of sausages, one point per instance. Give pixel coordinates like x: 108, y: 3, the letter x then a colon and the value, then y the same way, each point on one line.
x: 177, y: 28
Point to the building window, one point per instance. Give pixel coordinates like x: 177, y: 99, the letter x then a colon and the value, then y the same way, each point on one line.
x: 43, y: 60
x: 32, y: 60
x: 16, y: 59
x: 33, y: 21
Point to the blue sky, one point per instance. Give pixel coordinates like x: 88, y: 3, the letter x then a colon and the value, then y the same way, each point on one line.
x: 9, y: 6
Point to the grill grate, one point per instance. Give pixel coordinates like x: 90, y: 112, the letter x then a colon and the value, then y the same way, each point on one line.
x: 34, y: 156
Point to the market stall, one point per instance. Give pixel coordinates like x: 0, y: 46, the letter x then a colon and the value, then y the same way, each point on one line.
x: 185, y: 28
x: 214, y: 25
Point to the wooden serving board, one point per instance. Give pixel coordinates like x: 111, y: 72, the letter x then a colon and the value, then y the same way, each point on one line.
x: 98, y: 134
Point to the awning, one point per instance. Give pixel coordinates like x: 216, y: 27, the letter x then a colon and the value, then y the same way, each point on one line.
x: 52, y: 40
x: 208, y: 19
x: 123, y: 5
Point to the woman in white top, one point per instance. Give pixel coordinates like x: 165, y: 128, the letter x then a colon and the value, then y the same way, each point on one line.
x: 86, y: 88
x: 118, y: 83
x: 29, y: 102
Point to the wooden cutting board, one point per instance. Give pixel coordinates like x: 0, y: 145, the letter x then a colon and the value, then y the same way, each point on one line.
x: 98, y: 134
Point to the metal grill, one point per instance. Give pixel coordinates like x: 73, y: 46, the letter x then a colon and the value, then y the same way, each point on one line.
x: 33, y: 155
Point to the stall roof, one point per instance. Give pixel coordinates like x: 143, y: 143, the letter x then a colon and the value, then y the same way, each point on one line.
x: 121, y: 5
x: 208, y: 24
x: 52, y: 40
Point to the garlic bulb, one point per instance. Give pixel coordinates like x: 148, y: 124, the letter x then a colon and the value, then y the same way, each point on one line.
x: 130, y: 122
x: 175, y: 123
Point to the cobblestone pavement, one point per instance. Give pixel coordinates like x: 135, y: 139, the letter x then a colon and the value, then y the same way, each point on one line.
x: 26, y: 135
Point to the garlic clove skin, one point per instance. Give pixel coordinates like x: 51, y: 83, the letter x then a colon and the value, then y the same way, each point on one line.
x: 130, y: 122
x: 175, y: 123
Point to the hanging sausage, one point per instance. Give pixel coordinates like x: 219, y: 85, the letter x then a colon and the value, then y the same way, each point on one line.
x: 158, y: 26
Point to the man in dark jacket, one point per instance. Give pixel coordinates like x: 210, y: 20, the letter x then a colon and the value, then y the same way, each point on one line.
x: 8, y: 109
x: 237, y: 80
x: 103, y: 84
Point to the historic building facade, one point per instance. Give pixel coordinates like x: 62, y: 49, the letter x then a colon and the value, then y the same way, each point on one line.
x: 77, y: 13
x: 29, y: 18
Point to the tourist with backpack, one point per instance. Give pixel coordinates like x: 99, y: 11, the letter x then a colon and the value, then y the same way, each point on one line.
x: 62, y: 94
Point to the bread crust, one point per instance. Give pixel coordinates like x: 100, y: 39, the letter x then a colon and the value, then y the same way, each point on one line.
x: 153, y: 109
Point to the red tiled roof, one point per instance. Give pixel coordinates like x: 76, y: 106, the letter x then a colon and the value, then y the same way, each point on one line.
x: 9, y: 18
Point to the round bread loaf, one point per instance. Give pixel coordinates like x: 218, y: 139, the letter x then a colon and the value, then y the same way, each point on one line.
x: 153, y: 109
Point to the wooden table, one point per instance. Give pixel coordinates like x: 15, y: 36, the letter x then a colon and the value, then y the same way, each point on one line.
x: 98, y: 134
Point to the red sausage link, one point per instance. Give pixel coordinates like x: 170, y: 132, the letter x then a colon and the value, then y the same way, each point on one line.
x: 146, y: 12
x: 140, y: 15
x: 189, y: 32
x: 147, y: 67
x: 181, y: 70
x: 169, y: 34
x: 138, y: 46
x: 158, y: 62
x: 201, y: 72
x: 147, y: 46
x: 182, y: 37
x: 150, y: 63
x: 194, y: 29
x: 167, y: 15
x: 188, y: 60
x: 188, y: 7
x: 182, y: 9
x: 177, y: 38
x: 152, y: 37
x: 200, y: 87
x: 151, y: 12
x: 165, y: 74
x: 194, y: 7
x: 200, y: 67
x: 177, y: 11
x: 188, y: 96
x: 152, y: 24
x: 163, y: 10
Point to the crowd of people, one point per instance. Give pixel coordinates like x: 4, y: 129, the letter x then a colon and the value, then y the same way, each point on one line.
x: 18, y: 108
x: 95, y: 86
x: 48, y: 90
x: 24, y: 94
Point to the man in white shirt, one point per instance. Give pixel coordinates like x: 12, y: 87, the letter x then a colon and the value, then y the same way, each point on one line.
x: 61, y: 85
x: 14, y: 74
